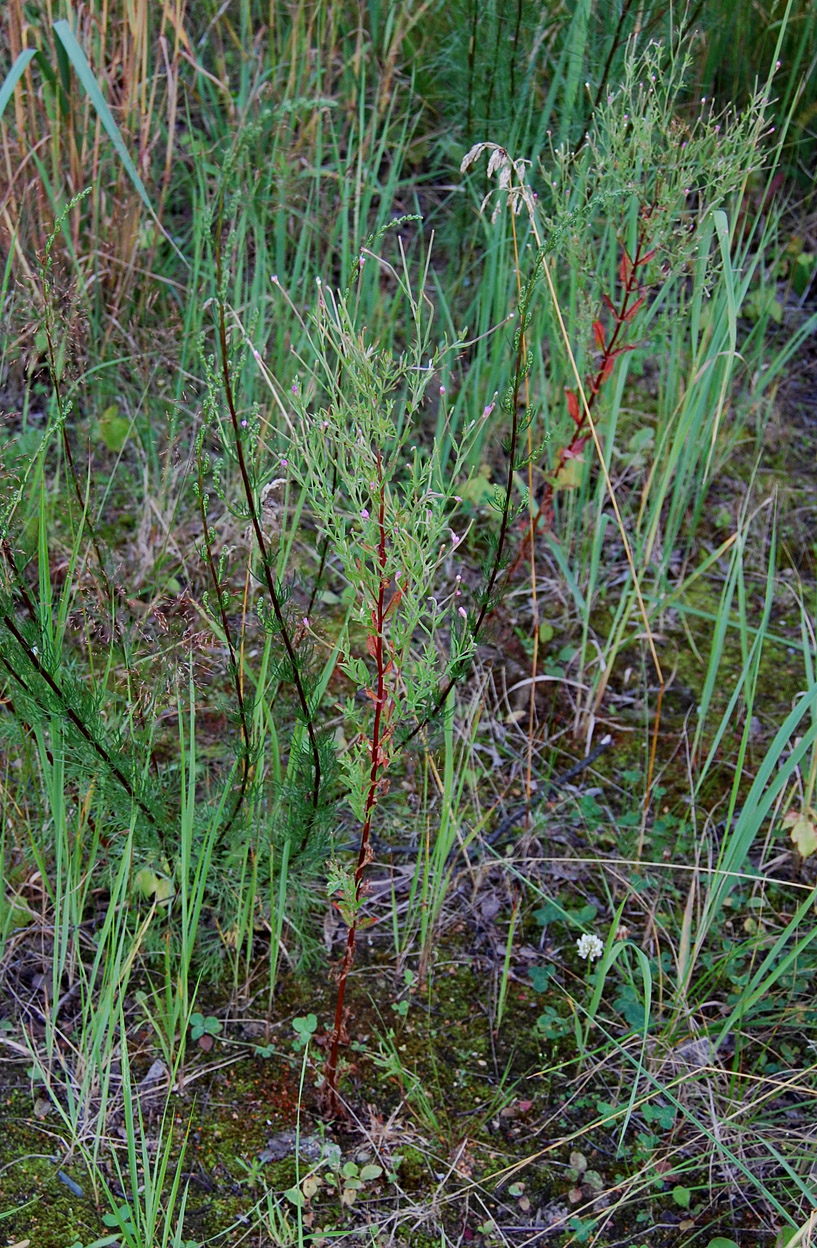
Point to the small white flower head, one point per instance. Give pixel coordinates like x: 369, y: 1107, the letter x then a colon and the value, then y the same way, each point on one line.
x: 589, y: 947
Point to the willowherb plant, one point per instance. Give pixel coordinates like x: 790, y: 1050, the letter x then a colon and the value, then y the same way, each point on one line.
x: 649, y: 145
x: 386, y: 509
x: 652, y: 163
x: 625, y: 181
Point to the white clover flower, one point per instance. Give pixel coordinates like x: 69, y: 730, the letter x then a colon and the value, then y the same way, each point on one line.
x: 589, y: 947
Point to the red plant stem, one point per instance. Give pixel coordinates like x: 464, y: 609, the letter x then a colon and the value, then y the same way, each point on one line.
x: 582, y: 431
x: 378, y: 760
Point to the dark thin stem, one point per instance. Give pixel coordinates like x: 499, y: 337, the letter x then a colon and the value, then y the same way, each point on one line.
x: 487, y: 606
x: 614, y: 46
x: 324, y: 553
x: 266, y: 558
x: 99, y: 749
x: 516, y: 50
x: 20, y: 585
x: 234, y: 665
x: 472, y: 51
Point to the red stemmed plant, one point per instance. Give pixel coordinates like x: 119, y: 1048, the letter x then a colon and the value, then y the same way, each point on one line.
x: 610, y: 344
x: 349, y: 894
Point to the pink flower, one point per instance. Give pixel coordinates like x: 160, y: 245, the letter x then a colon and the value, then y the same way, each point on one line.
x: 461, y: 611
x: 364, y: 513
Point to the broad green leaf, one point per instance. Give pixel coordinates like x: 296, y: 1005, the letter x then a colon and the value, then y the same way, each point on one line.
x: 113, y: 429
x: 802, y: 831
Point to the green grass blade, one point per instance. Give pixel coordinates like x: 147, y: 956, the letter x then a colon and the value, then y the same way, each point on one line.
x: 14, y: 75
x: 85, y: 74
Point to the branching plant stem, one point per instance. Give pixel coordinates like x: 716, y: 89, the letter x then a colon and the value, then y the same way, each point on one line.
x: 588, y: 417
x: 266, y: 558
x: 235, y: 668
x: 520, y: 373
x: 632, y: 298
x: 379, y: 760
x: 102, y: 753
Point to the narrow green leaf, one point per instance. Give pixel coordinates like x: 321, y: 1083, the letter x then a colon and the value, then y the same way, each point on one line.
x: 78, y: 59
x: 85, y: 74
x: 14, y: 75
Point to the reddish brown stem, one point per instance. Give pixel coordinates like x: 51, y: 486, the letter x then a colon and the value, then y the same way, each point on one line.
x: 377, y: 764
x: 622, y: 317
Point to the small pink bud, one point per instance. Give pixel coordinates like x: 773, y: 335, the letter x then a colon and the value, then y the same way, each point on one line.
x: 461, y: 611
x: 364, y: 513
x: 305, y: 622
x: 442, y: 389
